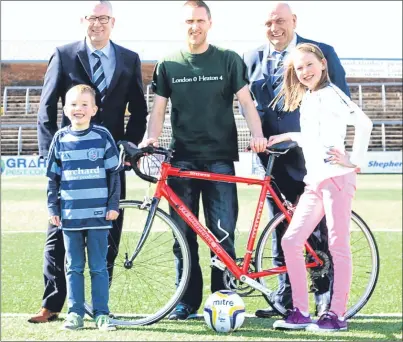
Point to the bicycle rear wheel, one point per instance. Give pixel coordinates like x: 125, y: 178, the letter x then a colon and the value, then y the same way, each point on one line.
x: 148, y: 290
x: 365, y: 259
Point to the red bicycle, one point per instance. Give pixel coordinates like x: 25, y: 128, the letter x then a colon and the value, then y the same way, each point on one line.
x: 145, y: 285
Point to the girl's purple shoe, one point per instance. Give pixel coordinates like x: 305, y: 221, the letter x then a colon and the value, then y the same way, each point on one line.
x: 329, y: 321
x: 295, y: 320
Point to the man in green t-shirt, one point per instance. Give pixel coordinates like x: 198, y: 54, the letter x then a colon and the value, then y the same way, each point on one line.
x: 201, y: 81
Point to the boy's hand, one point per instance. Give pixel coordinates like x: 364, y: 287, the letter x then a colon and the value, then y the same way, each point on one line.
x: 55, y: 220
x: 112, y: 215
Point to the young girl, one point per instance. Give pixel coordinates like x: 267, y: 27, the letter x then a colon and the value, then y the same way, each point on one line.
x: 330, y: 180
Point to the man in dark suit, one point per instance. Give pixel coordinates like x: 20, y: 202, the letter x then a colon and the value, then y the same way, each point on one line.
x: 264, y: 67
x: 115, y: 74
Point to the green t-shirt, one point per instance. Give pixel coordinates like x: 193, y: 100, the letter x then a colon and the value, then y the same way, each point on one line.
x: 202, y: 88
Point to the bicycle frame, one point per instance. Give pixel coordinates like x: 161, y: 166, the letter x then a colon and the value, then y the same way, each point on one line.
x: 165, y: 191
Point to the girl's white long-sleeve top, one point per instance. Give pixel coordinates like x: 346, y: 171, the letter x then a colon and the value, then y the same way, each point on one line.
x: 324, y: 116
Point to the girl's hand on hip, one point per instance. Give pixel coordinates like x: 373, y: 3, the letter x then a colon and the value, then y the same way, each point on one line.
x: 341, y: 158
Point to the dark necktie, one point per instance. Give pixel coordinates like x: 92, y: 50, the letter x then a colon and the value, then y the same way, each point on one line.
x: 277, y: 78
x: 98, y: 77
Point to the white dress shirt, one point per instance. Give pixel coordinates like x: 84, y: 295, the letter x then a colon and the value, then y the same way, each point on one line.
x: 324, y: 116
x: 274, y: 55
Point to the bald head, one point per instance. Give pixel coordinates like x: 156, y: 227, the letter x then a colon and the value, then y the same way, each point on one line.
x: 280, y: 25
x: 279, y: 6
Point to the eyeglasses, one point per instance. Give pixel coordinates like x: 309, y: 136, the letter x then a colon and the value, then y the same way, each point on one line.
x: 103, y: 19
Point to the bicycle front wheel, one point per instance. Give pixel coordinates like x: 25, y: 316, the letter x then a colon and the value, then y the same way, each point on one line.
x: 365, y: 258
x: 147, y: 290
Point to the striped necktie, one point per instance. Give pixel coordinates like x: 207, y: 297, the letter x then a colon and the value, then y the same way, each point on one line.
x: 98, y: 75
x: 278, y: 76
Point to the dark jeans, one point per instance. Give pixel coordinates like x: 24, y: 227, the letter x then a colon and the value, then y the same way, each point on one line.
x: 321, y: 286
x: 220, y: 203
x: 54, y: 263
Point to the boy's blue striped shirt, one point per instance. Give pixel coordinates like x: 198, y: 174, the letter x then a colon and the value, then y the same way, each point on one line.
x: 79, y: 164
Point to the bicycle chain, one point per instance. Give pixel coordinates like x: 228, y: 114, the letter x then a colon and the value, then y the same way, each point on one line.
x: 233, y: 284
x: 319, y: 271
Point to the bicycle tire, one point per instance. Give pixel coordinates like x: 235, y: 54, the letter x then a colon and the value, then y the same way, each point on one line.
x: 149, y: 290
x: 359, y: 293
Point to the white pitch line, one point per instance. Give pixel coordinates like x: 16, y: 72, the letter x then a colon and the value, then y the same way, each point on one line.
x: 394, y: 314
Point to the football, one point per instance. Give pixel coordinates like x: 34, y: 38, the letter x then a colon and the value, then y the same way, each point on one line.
x: 224, y: 311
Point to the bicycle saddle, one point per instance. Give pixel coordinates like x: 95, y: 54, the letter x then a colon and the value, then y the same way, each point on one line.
x: 282, y: 147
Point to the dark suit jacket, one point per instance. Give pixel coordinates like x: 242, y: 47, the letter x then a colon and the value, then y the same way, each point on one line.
x: 69, y: 66
x: 276, y: 122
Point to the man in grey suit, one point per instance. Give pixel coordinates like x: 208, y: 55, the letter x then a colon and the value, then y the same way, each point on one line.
x: 265, y: 66
x: 115, y: 73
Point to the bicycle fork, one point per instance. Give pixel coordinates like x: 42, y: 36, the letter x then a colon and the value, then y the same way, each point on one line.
x: 144, y: 235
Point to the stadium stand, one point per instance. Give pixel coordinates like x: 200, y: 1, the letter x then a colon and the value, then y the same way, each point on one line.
x: 379, y: 98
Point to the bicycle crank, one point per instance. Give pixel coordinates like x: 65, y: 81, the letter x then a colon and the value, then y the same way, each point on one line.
x: 233, y: 284
x: 319, y: 271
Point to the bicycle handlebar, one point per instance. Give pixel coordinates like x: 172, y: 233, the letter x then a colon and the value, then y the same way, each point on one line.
x: 134, y: 154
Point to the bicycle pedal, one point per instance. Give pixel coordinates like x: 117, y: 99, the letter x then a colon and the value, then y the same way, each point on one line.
x: 215, y: 262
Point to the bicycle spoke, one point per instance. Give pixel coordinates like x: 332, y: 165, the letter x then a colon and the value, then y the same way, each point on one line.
x: 365, y: 262
x: 145, y: 290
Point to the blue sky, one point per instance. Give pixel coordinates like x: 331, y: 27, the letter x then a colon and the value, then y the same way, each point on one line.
x: 370, y: 29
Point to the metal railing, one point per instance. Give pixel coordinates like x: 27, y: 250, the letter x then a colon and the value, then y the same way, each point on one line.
x: 383, y: 129
x: 372, y: 84
x: 26, y: 88
x: 383, y: 124
x: 19, y: 136
x: 359, y: 85
x: 149, y: 95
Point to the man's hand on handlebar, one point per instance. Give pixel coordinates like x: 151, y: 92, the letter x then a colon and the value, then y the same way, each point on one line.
x: 149, y: 141
x: 258, y: 144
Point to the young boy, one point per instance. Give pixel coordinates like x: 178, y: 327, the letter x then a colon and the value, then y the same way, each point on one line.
x: 83, y: 199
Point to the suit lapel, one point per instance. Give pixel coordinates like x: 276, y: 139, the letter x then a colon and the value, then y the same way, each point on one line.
x: 265, y: 60
x: 83, y: 57
x: 118, y: 68
x: 266, y: 67
x: 300, y: 40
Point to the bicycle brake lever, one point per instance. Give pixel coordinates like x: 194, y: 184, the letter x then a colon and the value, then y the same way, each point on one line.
x: 122, y: 156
